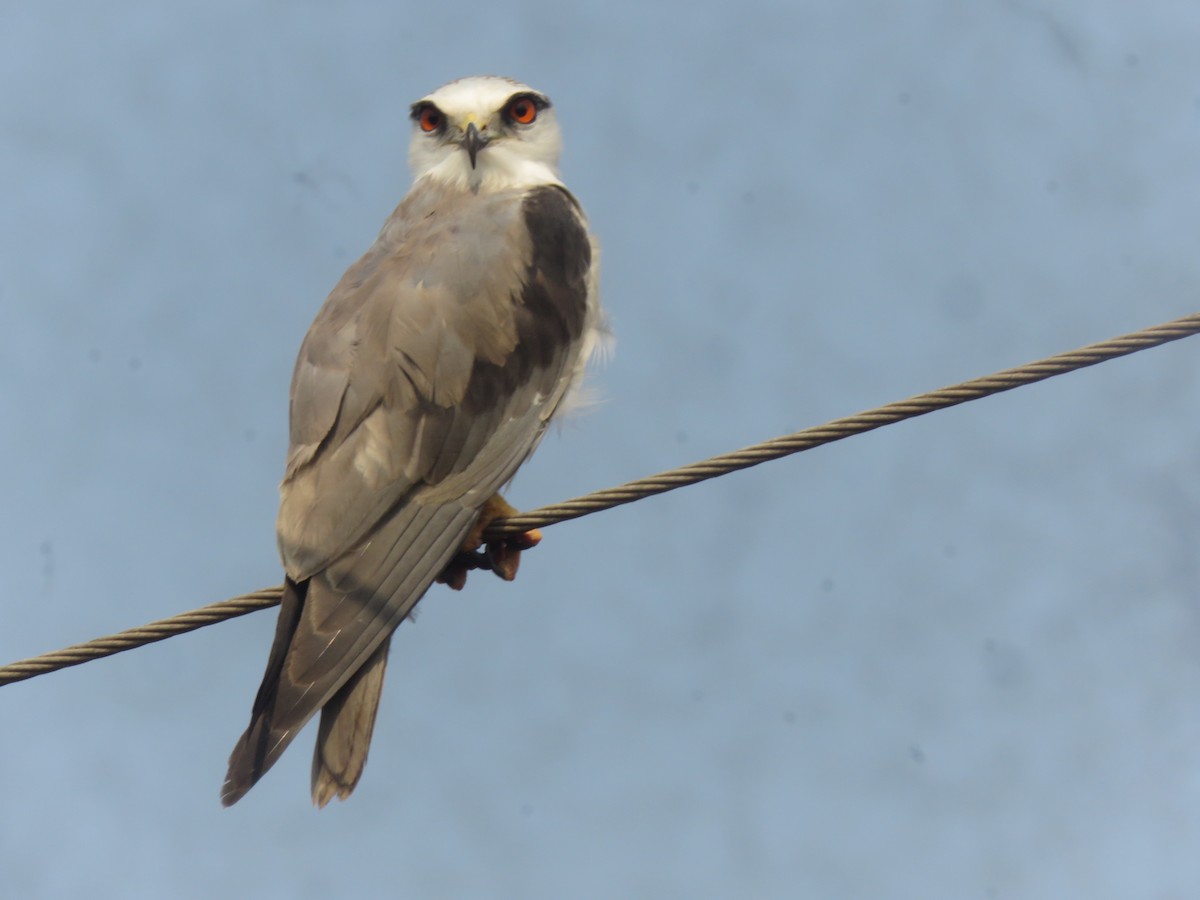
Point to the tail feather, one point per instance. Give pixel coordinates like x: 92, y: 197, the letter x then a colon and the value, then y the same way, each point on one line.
x: 344, y: 737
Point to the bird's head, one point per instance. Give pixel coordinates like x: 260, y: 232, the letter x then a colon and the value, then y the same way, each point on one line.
x: 485, y: 133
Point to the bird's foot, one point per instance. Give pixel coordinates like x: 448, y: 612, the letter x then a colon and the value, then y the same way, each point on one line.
x: 501, y: 555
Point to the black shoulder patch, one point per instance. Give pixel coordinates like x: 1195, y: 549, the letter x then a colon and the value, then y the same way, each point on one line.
x: 552, y: 306
x: 562, y: 255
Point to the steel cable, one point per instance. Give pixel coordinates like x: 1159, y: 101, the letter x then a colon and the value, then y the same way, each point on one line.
x: 682, y: 476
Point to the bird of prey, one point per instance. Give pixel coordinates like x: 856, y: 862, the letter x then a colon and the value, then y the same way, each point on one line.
x: 427, y: 378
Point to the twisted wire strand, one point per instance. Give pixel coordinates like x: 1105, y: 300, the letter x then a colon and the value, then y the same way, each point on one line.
x: 775, y: 448
x: 100, y: 647
x: 848, y: 426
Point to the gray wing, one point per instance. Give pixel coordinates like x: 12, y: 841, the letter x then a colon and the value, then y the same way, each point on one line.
x: 427, y: 378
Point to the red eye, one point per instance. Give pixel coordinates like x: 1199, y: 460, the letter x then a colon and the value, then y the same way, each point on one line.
x: 522, y: 111
x: 430, y: 119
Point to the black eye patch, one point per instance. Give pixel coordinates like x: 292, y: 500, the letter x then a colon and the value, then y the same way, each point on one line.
x: 428, y: 117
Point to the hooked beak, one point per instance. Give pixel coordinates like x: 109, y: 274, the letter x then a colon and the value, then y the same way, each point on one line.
x: 473, y: 142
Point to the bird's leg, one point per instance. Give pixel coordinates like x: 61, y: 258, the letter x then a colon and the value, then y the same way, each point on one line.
x: 501, y: 555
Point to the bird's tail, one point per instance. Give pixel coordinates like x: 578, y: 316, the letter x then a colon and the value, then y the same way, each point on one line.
x: 344, y: 737
x: 330, y: 648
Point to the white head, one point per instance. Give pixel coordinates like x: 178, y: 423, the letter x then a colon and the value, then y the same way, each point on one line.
x: 485, y: 133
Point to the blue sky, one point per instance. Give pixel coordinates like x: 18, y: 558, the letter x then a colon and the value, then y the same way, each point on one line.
x: 957, y: 657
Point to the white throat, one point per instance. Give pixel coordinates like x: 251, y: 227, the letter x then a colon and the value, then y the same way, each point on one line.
x: 496, y: 169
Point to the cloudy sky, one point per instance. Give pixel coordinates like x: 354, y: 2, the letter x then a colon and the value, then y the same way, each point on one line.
x: 959, y: 657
